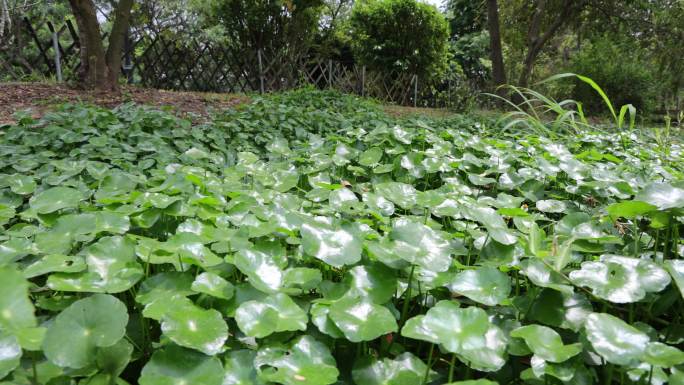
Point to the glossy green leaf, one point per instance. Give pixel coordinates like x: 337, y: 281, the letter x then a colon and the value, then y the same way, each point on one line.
x: 55, y: 263
x: 404, y: 369
x: 629, y: 209
x: 551, y: 206
x: 616, y: 341
x: 334, y: 246
x: 546, y: 344
x: 213, y: 285
x: 76, y: 333
x: 173, y: 365
x: 21, y: 184
x: 193, y: 327
x: 676, y: 270
x: 239, y: 368
x: 305, y: 361
x: 263, y: 269
x: 55, y: 198
x: 485, y: 285
x: 16, y: 309
x: 464, y: 331
x: 10, y: 353
x: 621, y: 279
x: 114, y: 359
x: 359, y: 319
x: 662, y: 195
x: 112, y: 268
x: 419, y: 244
x: 275, y: 313
x: 402, y: 194
x: 371, y: 156
x: 376, y: 281
x: 663, y: 355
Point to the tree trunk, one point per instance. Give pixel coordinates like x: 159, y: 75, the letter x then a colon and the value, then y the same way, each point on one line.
x: 536, y: 40
x: 100, y: 69
x: 496, y: 55
x: 117, y: 37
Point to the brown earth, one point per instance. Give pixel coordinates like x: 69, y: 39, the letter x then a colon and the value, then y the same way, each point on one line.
x: 40, y: 98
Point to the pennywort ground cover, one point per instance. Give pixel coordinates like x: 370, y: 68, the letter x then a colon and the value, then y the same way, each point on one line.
x: 307, y: 238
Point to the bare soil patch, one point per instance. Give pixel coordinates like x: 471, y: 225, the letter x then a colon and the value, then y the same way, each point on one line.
x: 40, y: 98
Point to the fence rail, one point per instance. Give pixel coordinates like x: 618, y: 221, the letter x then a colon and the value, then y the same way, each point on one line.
x: 188, y: 64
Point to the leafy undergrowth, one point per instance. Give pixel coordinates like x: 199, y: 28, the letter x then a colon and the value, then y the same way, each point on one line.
x: 307, y: 238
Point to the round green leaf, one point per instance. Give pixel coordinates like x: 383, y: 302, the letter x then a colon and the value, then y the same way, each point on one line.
x: 16, y: 309
x: 319, y: 316
x: 193, y: 327
x: 213, y: 285
x: 376, y: 281
x: 662, y: 195
x: 542, y: 275
x: 361, y: 320
x: 615, y: 340
x: 629, y: 209
x: 55, y: 263
x: 550, y: 206
x: 621, y: 279
x: 21, y: 184
x: 371, y: 156
x: 464, y: 331
x: 97, y: 321
x: 676, y: 270
x: 402, y: 194
x: 405, y: 369
x: 112, y: 268
x: 10, y: 353
x: 419, y: 244
x: 159, y: 291
x: 336, y: 247
x: 275, y: 313
x: 114, y: 359
x: 263, y: 269
x: 174, y: 365
x: 662, y: 355
x: 305, y: 362
x: 486, y: 285
x: 55, y: 198
x: 239, y: 368
x: 546, y: 344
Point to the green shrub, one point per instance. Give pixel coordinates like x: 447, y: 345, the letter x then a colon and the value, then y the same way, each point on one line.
x: 400, y: 34
x: 625, y: 78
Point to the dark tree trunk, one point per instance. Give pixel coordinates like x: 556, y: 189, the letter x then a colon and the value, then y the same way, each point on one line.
x: 536, y: 39
x: 117, y: 37
x: 100, y: 69
x: 496, y: 55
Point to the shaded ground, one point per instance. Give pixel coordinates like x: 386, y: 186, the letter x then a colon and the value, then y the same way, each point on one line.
x: 42, y: 97
x: 401, y: 111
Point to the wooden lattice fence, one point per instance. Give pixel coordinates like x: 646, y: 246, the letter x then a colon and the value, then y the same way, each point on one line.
x: 181, y: 62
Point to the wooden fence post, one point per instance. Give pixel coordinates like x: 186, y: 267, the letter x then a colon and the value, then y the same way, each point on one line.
x: 330, y: 72
x: 128, y: 62
x: 415, y: 90
x: 448, y: 93
x: 58, y: 64
x: 363, y: 81
x: 261, y: 72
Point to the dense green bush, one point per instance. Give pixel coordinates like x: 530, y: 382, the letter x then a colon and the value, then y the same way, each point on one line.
x: 626, y: 78
x: 270, y: 25
x: 400, y: 34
